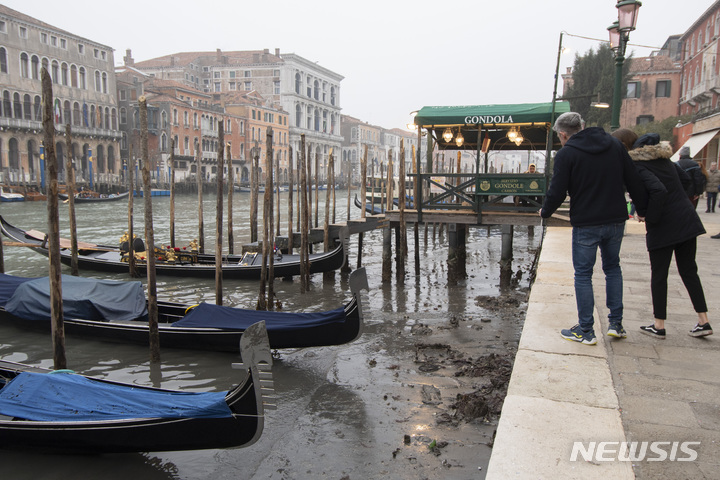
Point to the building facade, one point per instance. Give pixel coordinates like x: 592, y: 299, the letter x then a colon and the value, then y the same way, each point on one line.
x: 653, y: 89
x: 84, y: 94
x: 183, y: 115
x: 700, y: 90
x: 308, y: 92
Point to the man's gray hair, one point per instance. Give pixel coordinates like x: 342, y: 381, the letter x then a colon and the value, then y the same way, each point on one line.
x: 569, y: 123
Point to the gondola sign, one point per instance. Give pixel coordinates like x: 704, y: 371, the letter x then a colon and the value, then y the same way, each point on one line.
x: 511, y: 184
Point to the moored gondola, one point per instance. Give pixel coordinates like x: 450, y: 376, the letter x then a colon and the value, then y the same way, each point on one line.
x: 80, y: 198
x: 176, y: 262
x: 117, y: 311
x: 58, y: 411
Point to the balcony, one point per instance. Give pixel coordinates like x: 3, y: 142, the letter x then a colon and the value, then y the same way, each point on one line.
x: 37, y: 127
x: 206, y: 132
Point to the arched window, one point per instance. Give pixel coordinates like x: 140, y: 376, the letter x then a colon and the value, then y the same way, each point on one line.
x: 298, y: 83
x: 316, y: 90
x: 83, y: 79
x: 35, y: 61
x: 76, y: 114
x: 13, y: 154
x: 55, y: 71
x: 332, y: 95
x: 24, y: 65
x: 104, y: 82
x: 37, y: 108
x: 106, y: 118
x: 17, y: 105
x: 163, y: 119
x: 73, y: 76
x: 98, y: 85
x: 3, y: 60
x: 64, y: 74
x: 100, y: 159
x: 123, y: 116
x: 113, y: 119
x: 111, y: 159
x: 317, y: 120
x: 186, y: 145
x: 309, y: 87
x: 67, y: 115
x: 186, y: 119
x: 92, y: 116
x: 6, y: 105
x: 175, y: 116
x: 27, y: 107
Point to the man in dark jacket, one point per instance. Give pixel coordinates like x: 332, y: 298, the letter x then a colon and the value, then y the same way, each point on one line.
x: 594, y: 168
x: 699, y: 180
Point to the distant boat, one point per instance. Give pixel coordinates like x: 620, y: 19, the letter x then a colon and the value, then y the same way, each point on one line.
x: 155, y: 192
x: 261, y: 189
x: 11, y: 197
x: 94, y: 199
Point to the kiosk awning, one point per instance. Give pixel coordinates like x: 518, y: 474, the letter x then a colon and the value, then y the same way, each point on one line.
x: 696, y: 143
x: 533, y: 119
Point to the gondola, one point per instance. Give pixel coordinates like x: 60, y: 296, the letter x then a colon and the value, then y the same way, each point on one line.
x: 113, y: 197
x: 108, y: 258
x: 372, y: 209
x: 63, y: 412
x: 117, y: 311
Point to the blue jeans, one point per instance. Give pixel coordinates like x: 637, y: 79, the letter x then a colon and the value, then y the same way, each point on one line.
x: 585, y: 242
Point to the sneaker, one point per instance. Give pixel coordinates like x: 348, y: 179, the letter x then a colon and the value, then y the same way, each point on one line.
x: 653, y: 332
x: 701, y: 330
x: 576, y: 334
x: 617, y: 331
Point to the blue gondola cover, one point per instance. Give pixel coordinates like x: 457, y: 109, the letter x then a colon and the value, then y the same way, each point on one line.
x: 208, y: 315
x: 85, y: 298
x: 68, y: 397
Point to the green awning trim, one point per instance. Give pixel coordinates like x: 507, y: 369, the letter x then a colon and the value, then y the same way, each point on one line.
x: 520, y: 113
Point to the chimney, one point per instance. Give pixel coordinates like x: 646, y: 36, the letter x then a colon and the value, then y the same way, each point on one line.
x: 172, y: 60
x: 219, y: 55
x: 128, y: 59
x: 277, y: 52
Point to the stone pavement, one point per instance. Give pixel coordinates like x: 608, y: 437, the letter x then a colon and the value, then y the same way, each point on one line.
x: 638, y: 390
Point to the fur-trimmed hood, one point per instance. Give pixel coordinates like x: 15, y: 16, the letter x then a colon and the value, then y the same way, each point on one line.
x: 651, y: 152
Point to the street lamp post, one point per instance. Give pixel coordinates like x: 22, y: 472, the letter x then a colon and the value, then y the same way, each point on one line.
x: 619, y: 37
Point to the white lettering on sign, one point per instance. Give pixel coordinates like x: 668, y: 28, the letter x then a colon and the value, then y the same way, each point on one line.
x: 475, y: 119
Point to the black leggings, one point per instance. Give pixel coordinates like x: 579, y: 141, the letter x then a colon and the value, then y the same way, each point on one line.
x: 687, y: 268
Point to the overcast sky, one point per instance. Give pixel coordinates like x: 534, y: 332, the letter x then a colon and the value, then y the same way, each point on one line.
x: 396, y: 55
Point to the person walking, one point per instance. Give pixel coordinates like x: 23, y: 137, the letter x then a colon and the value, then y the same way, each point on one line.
x: 697, y: 178
x: 672, y: 227
x: 711, y: 189
x: 595, y: 170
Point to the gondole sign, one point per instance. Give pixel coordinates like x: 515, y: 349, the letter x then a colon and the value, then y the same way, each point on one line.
x: 511, y: 184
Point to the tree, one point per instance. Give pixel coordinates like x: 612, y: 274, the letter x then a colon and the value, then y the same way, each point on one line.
x: 663, y: 128
x: 593, y: 80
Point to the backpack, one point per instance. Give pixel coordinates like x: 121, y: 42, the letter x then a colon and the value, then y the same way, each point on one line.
x: 699, y: 180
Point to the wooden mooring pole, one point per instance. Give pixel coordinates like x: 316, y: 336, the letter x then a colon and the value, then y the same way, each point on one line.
x: 56, y: 304
x: 291, y: 185
x: 254, y: 190
x: 201, y: 221
x: 305, y: 220
x: 149, y: 237
x: 219, y: 214
x: 131, y: 185
x: 70, y: 172
x: 172, y: 192
x: 231, y: 187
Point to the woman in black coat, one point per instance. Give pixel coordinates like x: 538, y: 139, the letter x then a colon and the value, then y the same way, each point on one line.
x: 672, y: 226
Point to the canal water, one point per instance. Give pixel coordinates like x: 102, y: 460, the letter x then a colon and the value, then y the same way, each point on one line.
x: 352, y: 411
